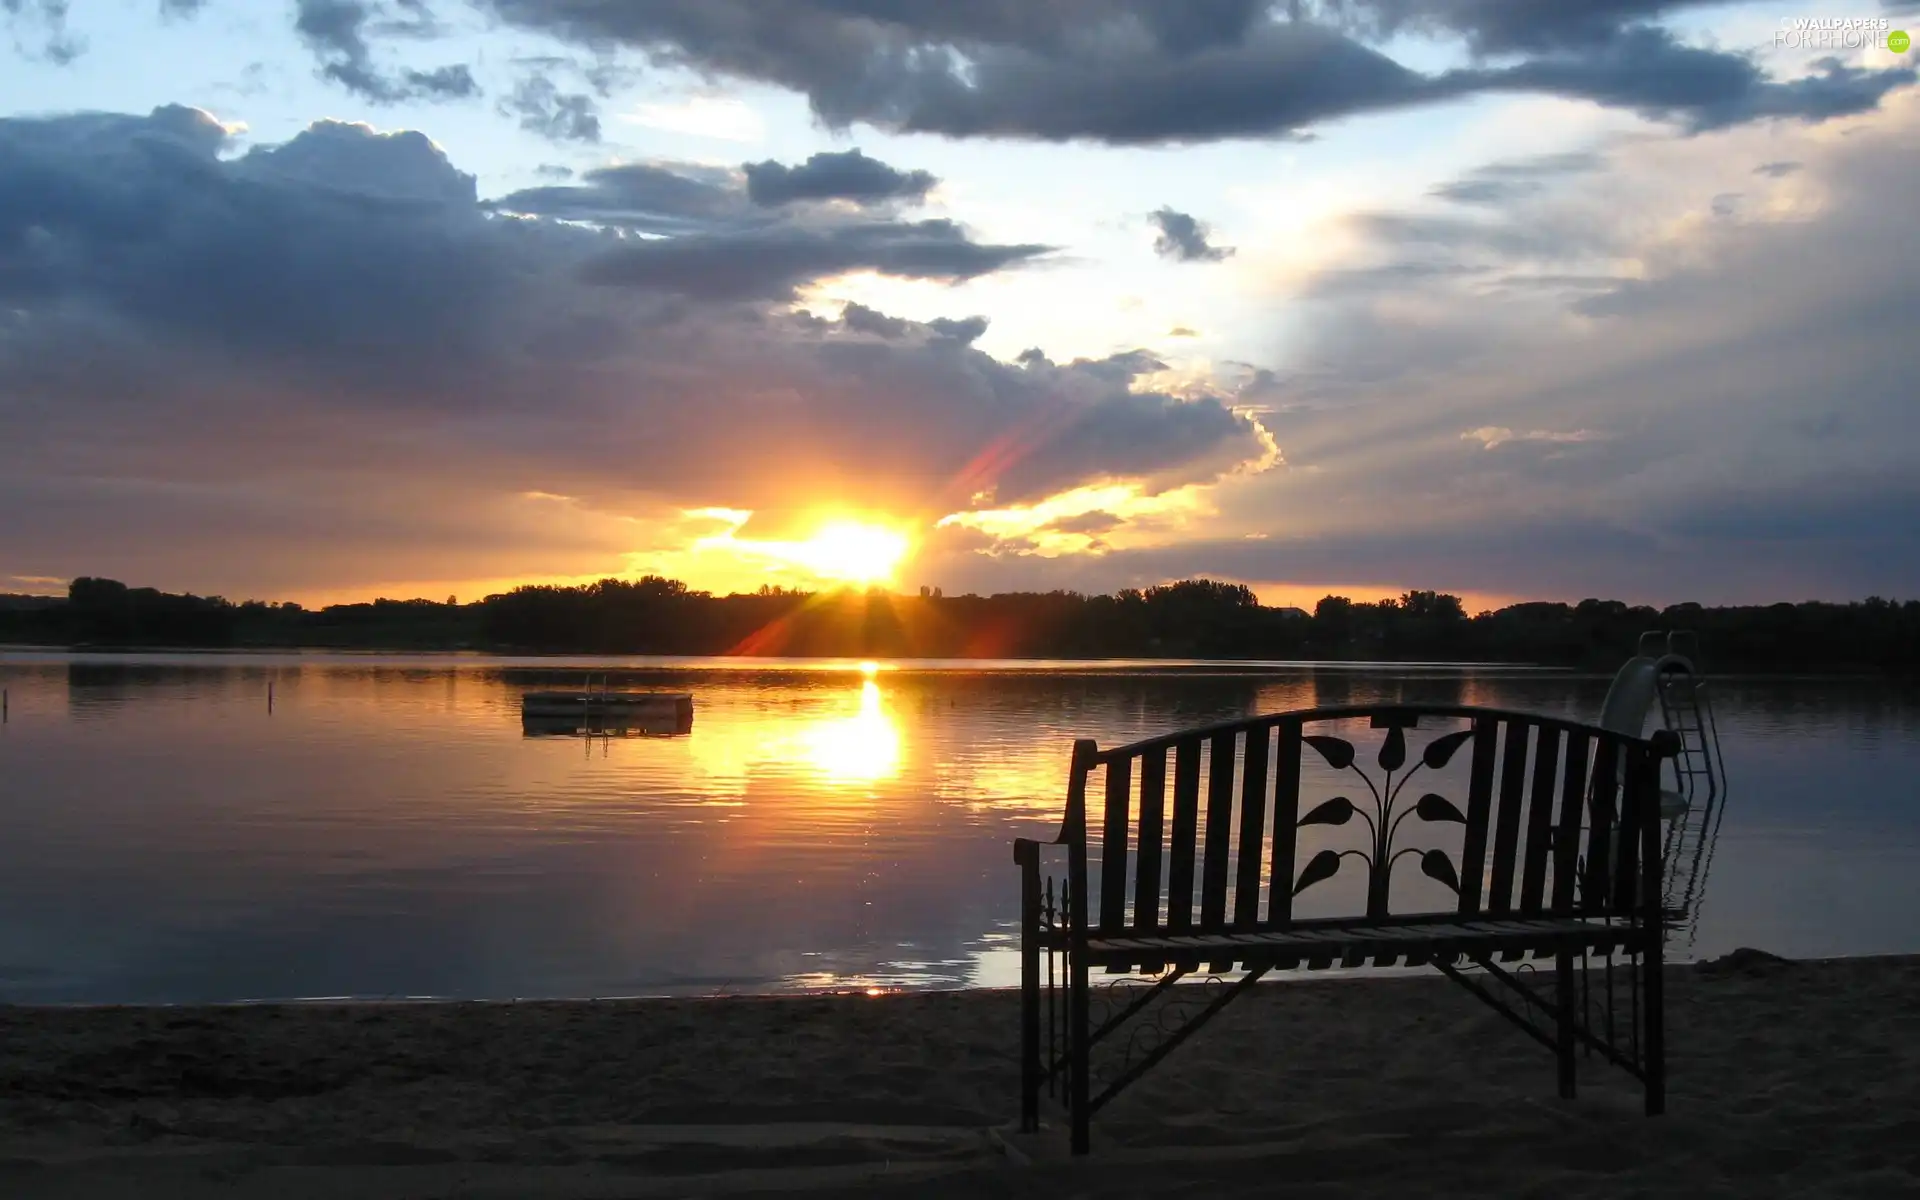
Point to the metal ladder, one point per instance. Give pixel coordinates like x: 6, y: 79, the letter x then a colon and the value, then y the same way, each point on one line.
x: 1699, y: 773
x: 1687, y: 710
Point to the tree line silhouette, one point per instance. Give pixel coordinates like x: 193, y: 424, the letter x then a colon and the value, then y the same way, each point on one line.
x: 1196, y: 618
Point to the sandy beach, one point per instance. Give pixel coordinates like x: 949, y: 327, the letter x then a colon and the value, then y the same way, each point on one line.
x: 1787, y: 1078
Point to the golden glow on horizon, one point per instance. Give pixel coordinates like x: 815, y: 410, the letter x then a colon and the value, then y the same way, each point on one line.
x: 1139, y: 517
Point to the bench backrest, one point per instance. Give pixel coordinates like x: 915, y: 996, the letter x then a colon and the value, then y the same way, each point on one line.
x: 1261, y: 822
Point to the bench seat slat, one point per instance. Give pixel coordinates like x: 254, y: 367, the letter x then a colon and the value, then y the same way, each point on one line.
x: 1378, y: 940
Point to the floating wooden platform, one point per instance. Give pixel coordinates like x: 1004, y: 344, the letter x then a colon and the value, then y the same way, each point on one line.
x: 673, y: 710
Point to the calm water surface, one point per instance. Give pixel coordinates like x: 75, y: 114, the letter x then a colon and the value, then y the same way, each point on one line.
x: 387, y: 830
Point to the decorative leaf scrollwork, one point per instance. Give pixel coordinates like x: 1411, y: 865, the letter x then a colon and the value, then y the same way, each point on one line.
x: 1338, y: 752
x: 1437, y: 865
x: 1322, y: 866
x: 1393, y: 751
x: 1385, y: 818
x: 1440, y: 751
x: 1337, y: 811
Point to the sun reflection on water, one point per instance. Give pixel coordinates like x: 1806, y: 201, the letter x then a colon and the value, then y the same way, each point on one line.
x: 861, y: 748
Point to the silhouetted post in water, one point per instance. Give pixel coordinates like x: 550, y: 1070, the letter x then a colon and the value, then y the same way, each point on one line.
x: 269, y: 697
x: 3, y: 706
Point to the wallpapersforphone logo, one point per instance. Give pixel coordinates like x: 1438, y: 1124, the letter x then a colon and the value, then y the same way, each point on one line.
x: 1840, y: 33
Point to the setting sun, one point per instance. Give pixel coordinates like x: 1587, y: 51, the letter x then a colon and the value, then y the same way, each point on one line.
x: 840, y: 550
x: 852, y: 552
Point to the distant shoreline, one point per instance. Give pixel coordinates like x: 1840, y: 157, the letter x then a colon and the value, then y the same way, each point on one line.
x: 1194, y: 620
x: 638, y: 664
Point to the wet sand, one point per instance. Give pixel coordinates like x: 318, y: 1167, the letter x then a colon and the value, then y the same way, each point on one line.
x: 1789, y: 1079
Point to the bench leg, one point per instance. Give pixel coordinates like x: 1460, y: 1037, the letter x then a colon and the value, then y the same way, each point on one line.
x: 1030, y: 1066
x: 1653, y: 1003
x: 1079, y: 1051
x: 1564, y: 1018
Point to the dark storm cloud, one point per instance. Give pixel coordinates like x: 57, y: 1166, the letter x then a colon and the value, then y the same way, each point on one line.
x: 315, y: 361
x: 829, y: 176
x: 670, y: 197
x: 108, y: 213
x: 1144, y: 71
x: 1505, y: 26
x: 336, y: 32
x: 1648, y: 71
x: 965, y: 330
x: 736, y: 249
x: 648, y: 197
x: 769, y: 264
x: 558, y: 116
x: 1184, y: 238
x: 858, y: 318
x: 861, y: 319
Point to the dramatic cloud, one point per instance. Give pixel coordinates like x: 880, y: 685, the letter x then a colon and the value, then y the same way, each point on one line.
x: 1144, y: 71
x: 1599, y: 389
x: 1504, y: 26
x: 1183, y: 238
x: 770, y: 264
x: 335, y: 30
x: 732, y: 250
x: 654, y: 198
x: 828, y: 176
x: 327, y: 363
x: 861, y: 319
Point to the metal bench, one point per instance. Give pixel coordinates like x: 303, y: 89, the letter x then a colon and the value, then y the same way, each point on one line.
x: 1225, y: 852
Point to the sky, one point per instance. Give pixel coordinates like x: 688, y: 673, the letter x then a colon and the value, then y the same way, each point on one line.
x: 329, y: 299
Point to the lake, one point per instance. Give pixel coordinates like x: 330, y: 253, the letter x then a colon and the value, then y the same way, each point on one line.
x: 387, y: 829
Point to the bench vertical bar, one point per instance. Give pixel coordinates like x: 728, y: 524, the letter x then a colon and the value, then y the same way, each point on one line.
x: 1506, y: 836
x: 1286, y: 823
x: 1253, y: 817
x: 1596, y: 886
x: 1113, y: 845
x: 1546, y: 768
x: 1473, y: 851
x: 1079, y: 1031
x: 1152, y: 832
x: 1566, y: 833
x: 1213, y: 868
x: 1186, y: 826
